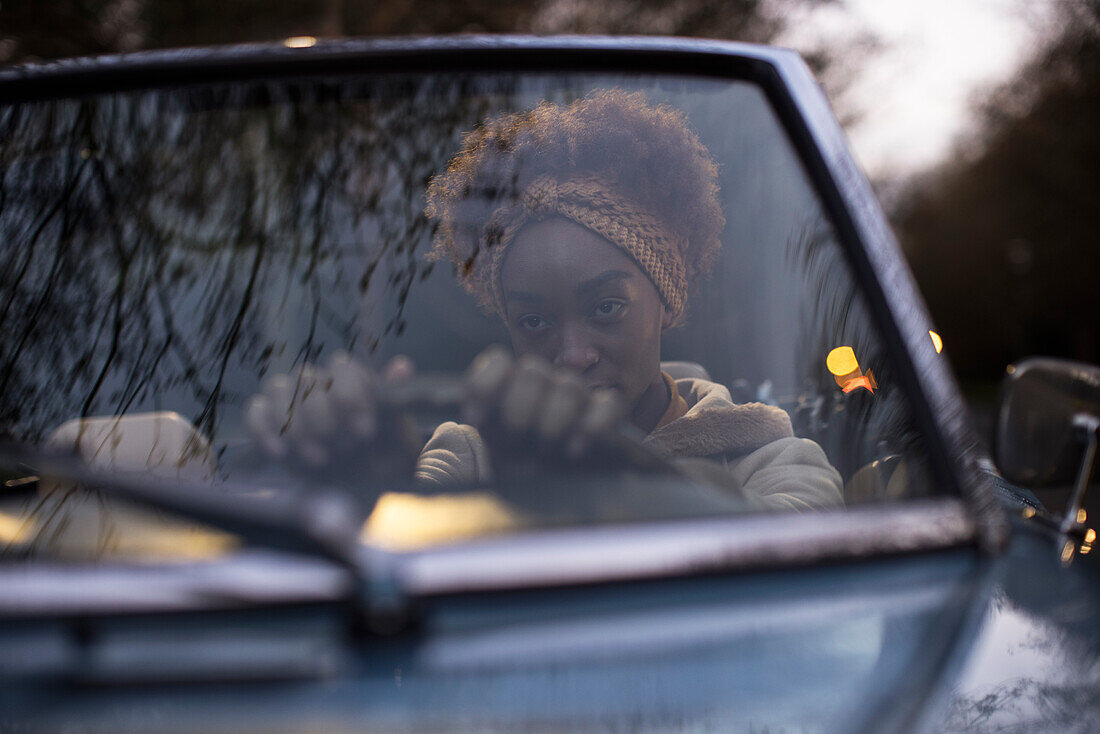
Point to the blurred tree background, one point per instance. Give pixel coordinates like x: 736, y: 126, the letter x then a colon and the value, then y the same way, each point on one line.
x: 40, y: 29
x: 1001, y: 237
x: 1004, y: 236
x: 33, y: 30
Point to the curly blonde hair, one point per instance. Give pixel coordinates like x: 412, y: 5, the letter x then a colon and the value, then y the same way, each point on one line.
x: 630, y: 171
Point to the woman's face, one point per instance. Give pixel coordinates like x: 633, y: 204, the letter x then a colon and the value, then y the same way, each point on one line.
x: 580, y: 302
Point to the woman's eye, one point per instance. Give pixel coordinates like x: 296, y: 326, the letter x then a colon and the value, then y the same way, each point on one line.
x: 532, y: 322
x: 609, y: 308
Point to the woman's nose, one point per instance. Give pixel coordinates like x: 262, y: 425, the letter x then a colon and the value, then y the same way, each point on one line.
x: 576, y: 352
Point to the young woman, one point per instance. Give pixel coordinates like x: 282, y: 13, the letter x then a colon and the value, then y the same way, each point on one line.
x: 585, y: 227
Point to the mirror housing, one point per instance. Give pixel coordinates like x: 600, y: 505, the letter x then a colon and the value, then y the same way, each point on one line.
x: 1045, y: 409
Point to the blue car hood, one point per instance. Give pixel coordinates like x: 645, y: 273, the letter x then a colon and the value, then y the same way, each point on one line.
x: 950, y: 641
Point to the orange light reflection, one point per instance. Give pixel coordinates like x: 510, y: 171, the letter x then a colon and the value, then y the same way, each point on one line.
x: 842, y: 362
x: 300, y: 42
x: 937, y: 342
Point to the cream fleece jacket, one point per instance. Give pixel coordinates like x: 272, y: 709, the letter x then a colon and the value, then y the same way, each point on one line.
x: 749, y: 448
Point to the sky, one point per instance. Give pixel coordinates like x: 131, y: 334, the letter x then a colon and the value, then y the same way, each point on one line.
x: 914, y: 94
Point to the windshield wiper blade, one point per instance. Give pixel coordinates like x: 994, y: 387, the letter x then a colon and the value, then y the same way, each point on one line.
x: 322, y: 522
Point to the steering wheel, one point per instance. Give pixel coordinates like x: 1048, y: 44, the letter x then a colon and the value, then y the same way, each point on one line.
x: 619, y: 479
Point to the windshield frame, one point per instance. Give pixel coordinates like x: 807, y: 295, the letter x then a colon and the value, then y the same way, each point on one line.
x: 862, y: 231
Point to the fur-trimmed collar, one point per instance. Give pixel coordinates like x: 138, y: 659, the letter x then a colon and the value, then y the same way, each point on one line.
x: 714, y: 424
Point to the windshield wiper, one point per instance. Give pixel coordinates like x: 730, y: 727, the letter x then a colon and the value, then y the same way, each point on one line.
x: 322, y: 522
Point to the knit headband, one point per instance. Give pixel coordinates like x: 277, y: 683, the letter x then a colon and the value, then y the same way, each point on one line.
x: 592, y: 203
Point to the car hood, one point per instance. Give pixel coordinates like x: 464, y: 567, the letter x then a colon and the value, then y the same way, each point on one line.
x: 1032, y: 660
x: 850, y: 648
x: 948, y: 641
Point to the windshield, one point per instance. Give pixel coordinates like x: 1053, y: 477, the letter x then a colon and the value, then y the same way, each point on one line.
x: 276, y: 286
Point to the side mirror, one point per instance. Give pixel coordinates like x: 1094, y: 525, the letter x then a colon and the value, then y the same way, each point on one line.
x: 1047, y: 423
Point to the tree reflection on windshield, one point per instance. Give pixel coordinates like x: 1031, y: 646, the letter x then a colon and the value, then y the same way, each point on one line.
x: 163, y: 239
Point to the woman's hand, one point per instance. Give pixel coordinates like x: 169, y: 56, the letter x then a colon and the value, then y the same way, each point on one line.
x: 512, y: 401
x: 324, y: 418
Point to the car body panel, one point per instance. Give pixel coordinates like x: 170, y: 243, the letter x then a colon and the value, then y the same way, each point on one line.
x: 1032, y: 662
